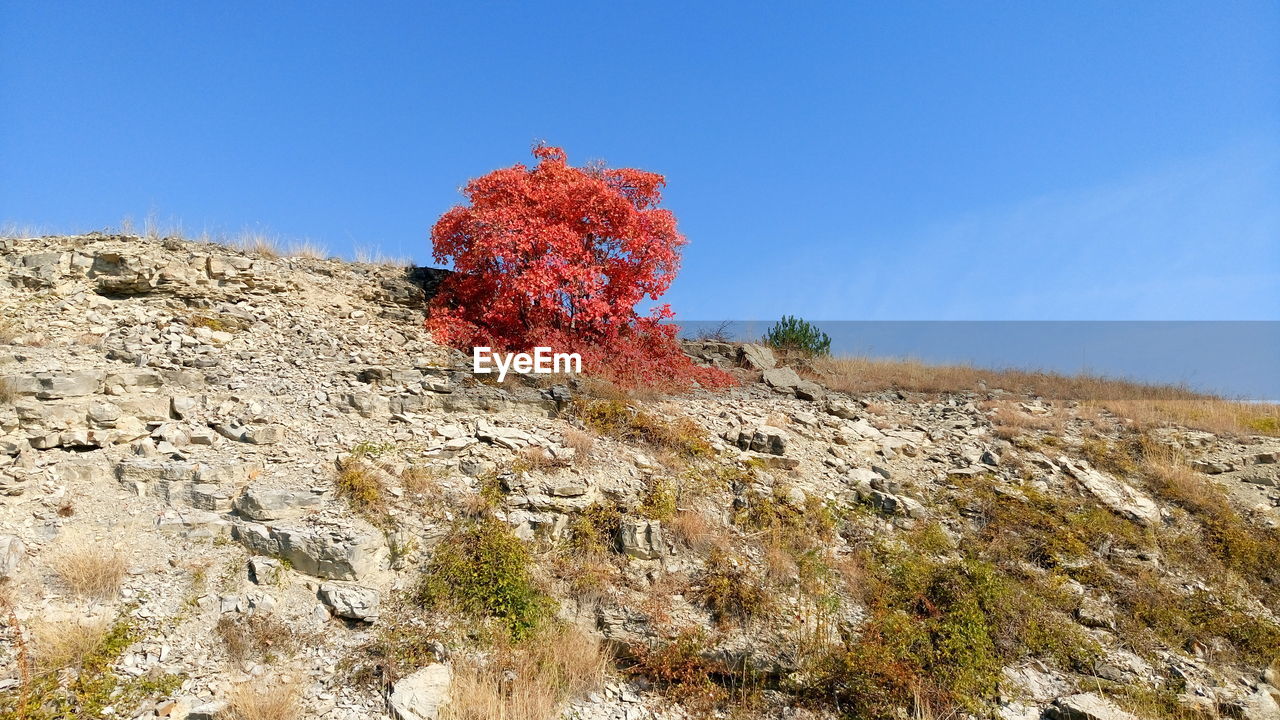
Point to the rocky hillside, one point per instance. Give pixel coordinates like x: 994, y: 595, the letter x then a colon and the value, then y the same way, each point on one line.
x: 237, y: 485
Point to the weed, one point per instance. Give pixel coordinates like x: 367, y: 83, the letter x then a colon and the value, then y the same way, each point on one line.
x: 659, y: 501
x: 582, y: 443
x: 217, y: 324
x: 259, y: 637
x: 529, y: 680
x: 360, y: 486
x: 404, y: 642
x: 482, y: 569
x: 595, y: 530
x: 90, y: 651
x: 729, y: 591
x: 616, y: 418
x: 784, y: 522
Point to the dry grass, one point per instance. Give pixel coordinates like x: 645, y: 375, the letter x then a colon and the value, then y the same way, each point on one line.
x: 531, y: 681
x: 62, y: 645
x: 374, y: 256
x: 1009, y: 421
x: 90, y: 571
x: 1144, y: 405
x: 258, y: 244
x: 309, y: 250
x: 533, y: 458
x: 583, y: 443
x: 258, y: 637
x: 422, y: 479
x: 694, y: 529
x: 264, y: 701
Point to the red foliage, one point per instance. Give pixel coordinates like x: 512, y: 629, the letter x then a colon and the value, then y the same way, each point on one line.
x: 560, y: 256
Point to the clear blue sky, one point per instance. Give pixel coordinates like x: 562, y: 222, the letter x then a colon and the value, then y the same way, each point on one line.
x: 886, y: 160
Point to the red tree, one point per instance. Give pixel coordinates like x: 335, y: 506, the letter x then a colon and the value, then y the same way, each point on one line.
x: 560, y: 256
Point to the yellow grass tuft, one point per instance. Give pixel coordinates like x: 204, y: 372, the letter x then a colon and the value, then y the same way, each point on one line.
x: 265, y: 701
x: 61, y: 645
x: 90, y: 571
x: 531, y: 681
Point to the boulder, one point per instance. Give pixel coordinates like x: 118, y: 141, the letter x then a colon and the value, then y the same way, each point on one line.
x: 354, y: 602
x: 330, y: 553
x: 783, y: 379
x: 641, y: 538
x: 421, y: 695
x: 262, y: 504
x: 757, y: 357
x: 1086, y: 706
x: 12, y: 553
x: 809, y: 390
x: 54, y: 386
x: 765, y: 439
x: 1114, y: 493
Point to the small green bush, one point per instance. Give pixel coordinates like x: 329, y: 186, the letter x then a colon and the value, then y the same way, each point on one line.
x: 482, y: 569
x: 792, y: 333
x: 729, y: 591
x: 595, y: 530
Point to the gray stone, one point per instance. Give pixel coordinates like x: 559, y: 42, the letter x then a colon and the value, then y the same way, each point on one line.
x: 842, y: 409
x: 210, y: 497
x: 262, y: 504
x: 331, y: 553
x: 641, y: 538
x: 783, y: 378
x: 264, y: 435
x: 265, y: 570
x: 809, y: 390
x: 12, y: 553
x: 53, y: 387
x: 757, y: 357
x: 768, y: 439
x: 1096, y: 613
x: 1086, y: 706
x: 1263, y: 704
x: 354, y: 602
x: 1113, y: 493
x: 215, y: 710
x: 420, y: 696
x: 367, y: 404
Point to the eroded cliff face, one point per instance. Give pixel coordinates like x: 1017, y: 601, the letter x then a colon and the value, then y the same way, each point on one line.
x: 227, y: 477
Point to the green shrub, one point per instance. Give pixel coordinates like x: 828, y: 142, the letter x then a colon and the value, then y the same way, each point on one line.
x: 938, y: 632
x: 595, y: 530
x: 659, y: 501
x: 774, y: 514
x: 729, y: 591
x: 792, y: 333
x: 482, y: 569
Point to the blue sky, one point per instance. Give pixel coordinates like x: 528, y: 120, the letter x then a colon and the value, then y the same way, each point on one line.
x: 894, y: 160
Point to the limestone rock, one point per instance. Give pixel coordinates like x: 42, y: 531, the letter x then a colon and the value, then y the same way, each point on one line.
x: 12, y: 553
x: 263, y: 504
x: 351, y: 601
x: 641, y: 538
x: 421, y: 695
x: 757, y: 357
x: 1113, y: 493
x: 331, y: 553
x: 782, y: 379
x: 1086, y: 706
